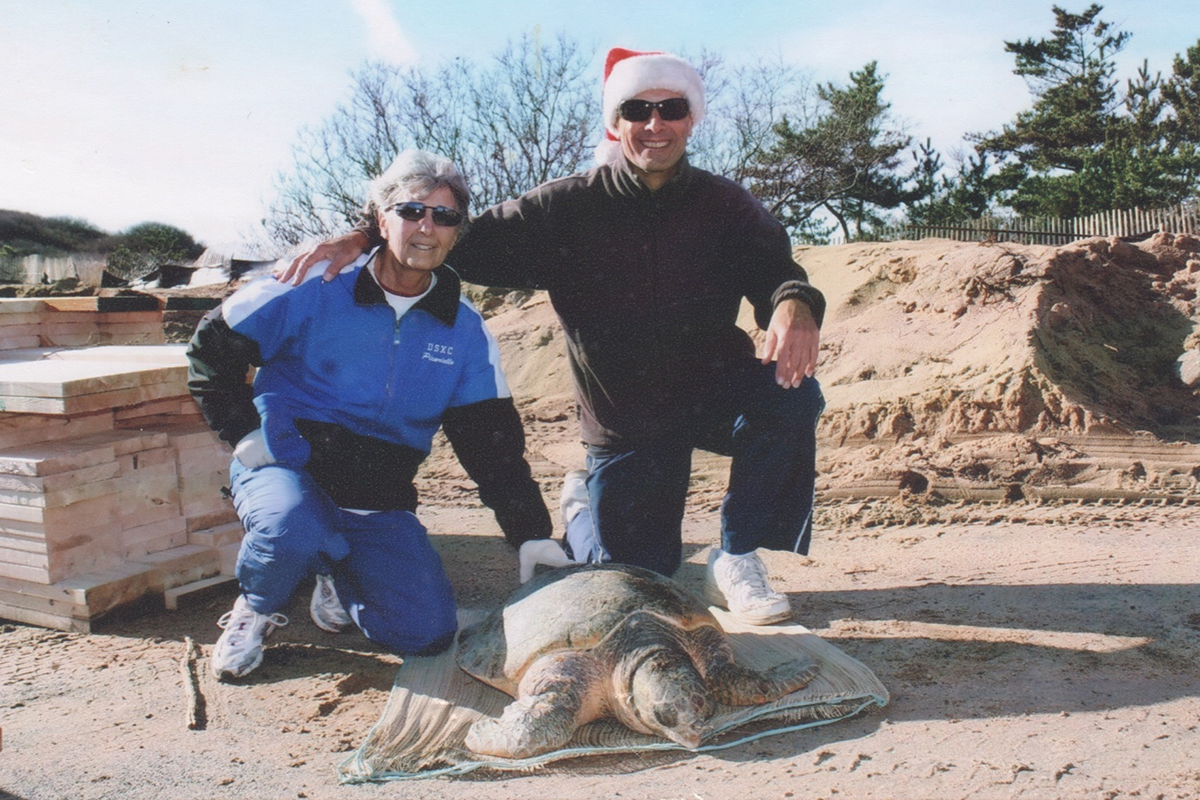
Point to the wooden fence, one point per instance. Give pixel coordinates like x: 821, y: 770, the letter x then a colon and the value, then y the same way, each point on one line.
x: 1133, y: 224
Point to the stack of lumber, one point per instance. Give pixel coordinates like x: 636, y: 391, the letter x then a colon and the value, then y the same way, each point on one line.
x: 110, y: 482
x: 79, y: 321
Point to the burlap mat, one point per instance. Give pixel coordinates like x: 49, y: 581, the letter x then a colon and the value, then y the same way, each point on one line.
x: 433, y: 703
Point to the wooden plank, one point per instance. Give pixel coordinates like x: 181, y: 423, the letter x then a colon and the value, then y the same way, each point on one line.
x: 83, y: 404
x: 77, y: 599
x: 85, y: 515
x: 26, y: 558
x: 194, y: 590
x: 19, y: 598
x: 180, y: 559
x: 54, y: 457
x: 166, y: 407
x: 21, y: 305
x: 142, y: 302
x: 62, y: 378
x: 228, y: 555
x: 151, y: 513
x: 17, y: 542
x: 60, y: 481
x: 156, y: 537
x: 97, y: 555
x: 19, y: 342
x: 9, y: 330
x: 197, y: 520
x: 42, y: 619
x: 187, y: 437
x: 221, y: 535
x: 19, y: 430
x: 24, y: 573
x: 160, y: 354
x: 60, y: 498
x: 145, y: 459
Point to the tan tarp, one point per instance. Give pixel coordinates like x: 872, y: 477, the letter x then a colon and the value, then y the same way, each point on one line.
x: 433, y: 703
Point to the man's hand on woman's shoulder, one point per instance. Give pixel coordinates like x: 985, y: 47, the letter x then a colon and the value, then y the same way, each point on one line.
x: 340, y: 252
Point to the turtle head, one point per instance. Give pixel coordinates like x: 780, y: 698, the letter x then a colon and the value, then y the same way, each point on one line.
x: 668, y: 697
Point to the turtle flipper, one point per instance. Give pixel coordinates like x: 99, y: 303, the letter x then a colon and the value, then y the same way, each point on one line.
x: 556, y: 696
x: 736, y: 685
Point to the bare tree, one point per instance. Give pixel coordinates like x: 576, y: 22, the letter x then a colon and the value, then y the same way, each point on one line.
x: 528, y: 115
x: 745, y: 102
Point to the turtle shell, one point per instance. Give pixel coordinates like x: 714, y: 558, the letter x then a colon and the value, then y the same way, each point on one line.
x: 570, y: 609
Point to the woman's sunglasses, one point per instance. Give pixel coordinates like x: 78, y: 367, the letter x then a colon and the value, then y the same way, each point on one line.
x: 670, y: 110
x: 415, y: 212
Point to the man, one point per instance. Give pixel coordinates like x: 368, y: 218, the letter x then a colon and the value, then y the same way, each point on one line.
x: 646, y: 260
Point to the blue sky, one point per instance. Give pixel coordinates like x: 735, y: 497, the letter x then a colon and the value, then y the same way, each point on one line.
x: 125, y: 111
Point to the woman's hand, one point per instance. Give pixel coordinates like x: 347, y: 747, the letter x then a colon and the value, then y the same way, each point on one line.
x: 252, y: 450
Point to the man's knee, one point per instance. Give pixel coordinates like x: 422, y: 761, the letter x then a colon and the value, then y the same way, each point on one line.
x: 806, y: 400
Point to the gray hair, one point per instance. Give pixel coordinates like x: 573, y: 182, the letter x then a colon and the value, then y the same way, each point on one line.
x: 414, y: 174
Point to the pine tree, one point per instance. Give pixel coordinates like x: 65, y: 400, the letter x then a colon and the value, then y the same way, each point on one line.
x: 846, y: 162
x: 1085, y: 146
x: 1048, y: 154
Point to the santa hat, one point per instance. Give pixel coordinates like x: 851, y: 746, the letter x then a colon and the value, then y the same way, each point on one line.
x: 628, y: 73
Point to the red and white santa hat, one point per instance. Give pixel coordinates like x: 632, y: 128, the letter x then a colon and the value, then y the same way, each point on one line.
x: 628, y: 73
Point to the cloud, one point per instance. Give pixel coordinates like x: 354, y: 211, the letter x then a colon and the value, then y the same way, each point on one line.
x: 385, y: 37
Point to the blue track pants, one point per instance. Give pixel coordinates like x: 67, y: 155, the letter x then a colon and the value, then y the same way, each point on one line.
x: 637, y: 494
x: 386, y: 572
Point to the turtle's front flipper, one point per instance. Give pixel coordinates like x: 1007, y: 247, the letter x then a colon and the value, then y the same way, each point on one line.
x: 735, y: 685
x: 556, y: 696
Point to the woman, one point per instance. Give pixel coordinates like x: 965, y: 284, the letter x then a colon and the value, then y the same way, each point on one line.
x: 354, y: 378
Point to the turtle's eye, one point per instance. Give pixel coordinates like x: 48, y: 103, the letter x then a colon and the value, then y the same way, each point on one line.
x: 666, y: 716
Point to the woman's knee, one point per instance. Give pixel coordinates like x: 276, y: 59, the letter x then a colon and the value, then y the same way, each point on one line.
x: 416, y: 637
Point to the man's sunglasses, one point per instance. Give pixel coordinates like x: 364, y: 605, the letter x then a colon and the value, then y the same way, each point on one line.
x: 670, y: 110
x: 415, y: 212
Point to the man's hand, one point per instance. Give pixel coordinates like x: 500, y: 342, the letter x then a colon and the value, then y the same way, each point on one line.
x: 340, y: 252
x: 793, y: 340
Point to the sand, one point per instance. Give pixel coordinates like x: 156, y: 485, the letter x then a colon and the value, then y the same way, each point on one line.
x: 1006, y: 536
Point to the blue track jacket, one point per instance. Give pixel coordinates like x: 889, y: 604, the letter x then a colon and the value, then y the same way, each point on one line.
x: 354, y: 396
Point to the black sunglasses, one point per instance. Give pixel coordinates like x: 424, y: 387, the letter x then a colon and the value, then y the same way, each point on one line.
x: 670, y: 110
x: 415, y: 212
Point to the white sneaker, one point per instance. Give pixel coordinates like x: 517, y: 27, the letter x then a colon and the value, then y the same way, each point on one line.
x: 240, y: 649
x: 574, y: 495
x: 739, y: 583
x: 326, y: 609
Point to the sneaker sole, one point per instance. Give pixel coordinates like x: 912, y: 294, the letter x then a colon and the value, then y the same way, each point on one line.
x: 327, y: 627
x: 770, y: 619
x: 714, y: 596
x: 230, y: 673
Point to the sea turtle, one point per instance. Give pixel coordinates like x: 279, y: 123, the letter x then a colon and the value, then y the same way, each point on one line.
x: 578, y: 644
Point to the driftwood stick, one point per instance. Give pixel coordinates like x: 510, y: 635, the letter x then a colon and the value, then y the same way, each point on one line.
x: 191, y: 687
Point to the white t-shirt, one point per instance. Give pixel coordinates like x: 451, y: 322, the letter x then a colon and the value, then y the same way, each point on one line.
x: 400, y: 303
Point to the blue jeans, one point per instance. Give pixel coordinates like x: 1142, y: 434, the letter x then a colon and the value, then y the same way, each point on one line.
x: 387, y: 574
x: 637, y: 494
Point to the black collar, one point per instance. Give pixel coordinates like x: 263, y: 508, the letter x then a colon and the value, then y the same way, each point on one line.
x: 441, y: 302
x: 629, y: 183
